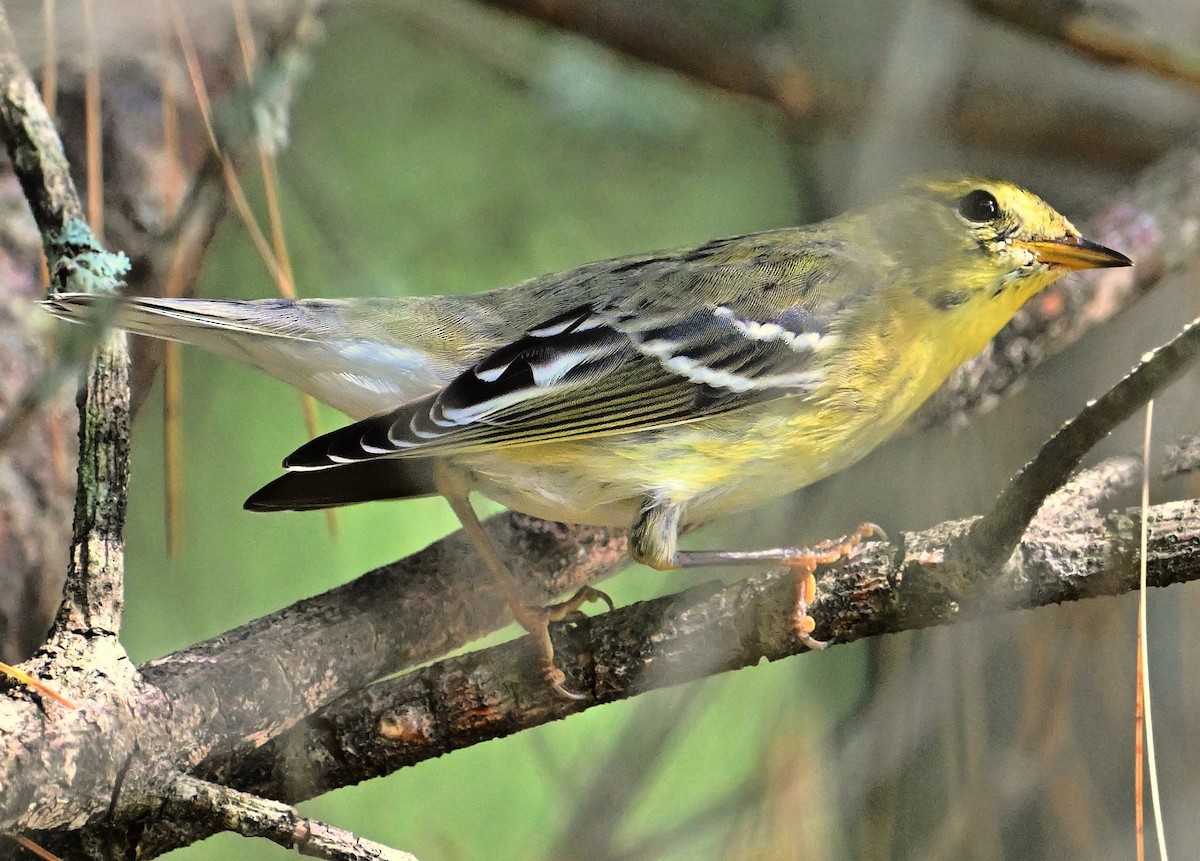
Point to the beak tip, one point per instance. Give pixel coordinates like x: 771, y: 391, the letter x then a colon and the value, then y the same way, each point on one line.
x: 1119, y: 260
x: 1075, y: 252
x: 1102, y: 257
x: 1093, y: 255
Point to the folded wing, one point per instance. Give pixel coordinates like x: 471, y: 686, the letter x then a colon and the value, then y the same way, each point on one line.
x: 595, y: 371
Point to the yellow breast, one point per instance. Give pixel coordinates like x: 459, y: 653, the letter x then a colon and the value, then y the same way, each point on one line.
x: 889, y: 360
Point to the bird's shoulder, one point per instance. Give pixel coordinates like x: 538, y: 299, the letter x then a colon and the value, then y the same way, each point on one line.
x: 780, y: 284
x: 810, y: 271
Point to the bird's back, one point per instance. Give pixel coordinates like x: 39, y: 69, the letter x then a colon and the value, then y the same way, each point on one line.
x: 363, y: 356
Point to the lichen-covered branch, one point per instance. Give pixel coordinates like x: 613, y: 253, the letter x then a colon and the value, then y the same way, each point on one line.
x: 315, y: 716
x: 48, y: 783
x: 92, y: 598
x: 226, y: 809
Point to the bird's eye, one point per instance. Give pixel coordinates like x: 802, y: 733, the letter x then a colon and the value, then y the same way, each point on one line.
x: 979, y: 206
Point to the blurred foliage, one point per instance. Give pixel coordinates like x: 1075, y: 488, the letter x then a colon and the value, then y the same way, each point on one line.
x: 426, y: 159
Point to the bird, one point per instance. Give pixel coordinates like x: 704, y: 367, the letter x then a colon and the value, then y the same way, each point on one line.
x: 650, y: 391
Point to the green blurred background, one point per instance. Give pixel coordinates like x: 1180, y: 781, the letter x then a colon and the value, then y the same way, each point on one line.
x: 445, y: 149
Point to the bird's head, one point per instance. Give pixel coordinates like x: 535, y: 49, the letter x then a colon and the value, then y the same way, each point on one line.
x: 977, y: 238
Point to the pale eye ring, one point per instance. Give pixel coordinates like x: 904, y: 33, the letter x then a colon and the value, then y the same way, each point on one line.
x: 979, y: 206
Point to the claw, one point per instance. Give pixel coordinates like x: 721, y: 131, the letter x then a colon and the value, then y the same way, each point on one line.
x: 871, y: 530
x: 812, y: 643
x: 804, y: 626
x: 805, y: 564
x: 562, y: 690
x: 557, y: 680
x: 603, y: 596
x: 536, y: 620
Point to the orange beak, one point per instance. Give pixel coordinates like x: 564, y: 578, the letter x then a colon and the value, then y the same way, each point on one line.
x: 1074, y: 252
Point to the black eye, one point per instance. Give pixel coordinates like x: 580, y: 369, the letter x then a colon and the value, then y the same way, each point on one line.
x: 979, y: 206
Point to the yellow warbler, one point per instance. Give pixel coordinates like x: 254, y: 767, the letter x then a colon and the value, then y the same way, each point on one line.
x: 645, y: 391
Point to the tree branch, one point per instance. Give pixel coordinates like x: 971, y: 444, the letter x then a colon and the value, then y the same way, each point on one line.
x: 428, y: 604
x: 92, y: 598
x: 222, y: 702
x: 427, y: 607
x: 83, y: 656
x: 495, y: 692
x: 402, y: 614
x: 64, y: 768
x: 771, y: 72
x: 1182, y: 458
x: 1071, y: 551
x: 224, y: 809
x: 1096, y: 32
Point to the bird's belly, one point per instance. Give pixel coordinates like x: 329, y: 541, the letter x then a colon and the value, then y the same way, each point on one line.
x: 721, y: 465
x: 584, y: 482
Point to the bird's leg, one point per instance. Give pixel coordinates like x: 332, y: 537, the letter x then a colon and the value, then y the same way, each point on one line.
x: 535, y: 620
x: 653, y: 537
x: 802, y: 560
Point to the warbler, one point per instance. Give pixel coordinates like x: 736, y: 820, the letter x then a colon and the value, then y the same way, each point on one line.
x: 648, y: 391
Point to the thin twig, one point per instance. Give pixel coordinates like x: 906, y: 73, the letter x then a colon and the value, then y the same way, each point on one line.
x: 1143, y: 638
x: 992, y: 538
x: 29, y: 846
x: 93, y: 120
x: 227, y: 809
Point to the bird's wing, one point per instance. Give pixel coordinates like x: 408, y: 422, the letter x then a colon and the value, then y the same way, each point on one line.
x: 621, y: 366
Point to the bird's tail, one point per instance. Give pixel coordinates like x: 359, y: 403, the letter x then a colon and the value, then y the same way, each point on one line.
x: 346, y: 484
x: 328, y: 348
x: 190, y: 321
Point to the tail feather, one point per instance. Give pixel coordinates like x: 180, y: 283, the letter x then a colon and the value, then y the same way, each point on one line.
x: 191, y: 320
x: 336, y: 351
x: 348, y: 484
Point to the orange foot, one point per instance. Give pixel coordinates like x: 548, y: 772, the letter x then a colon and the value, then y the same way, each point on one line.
x: 805, y: 564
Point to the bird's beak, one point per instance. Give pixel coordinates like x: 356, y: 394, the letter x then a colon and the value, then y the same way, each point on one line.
x: 1074, y: 252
